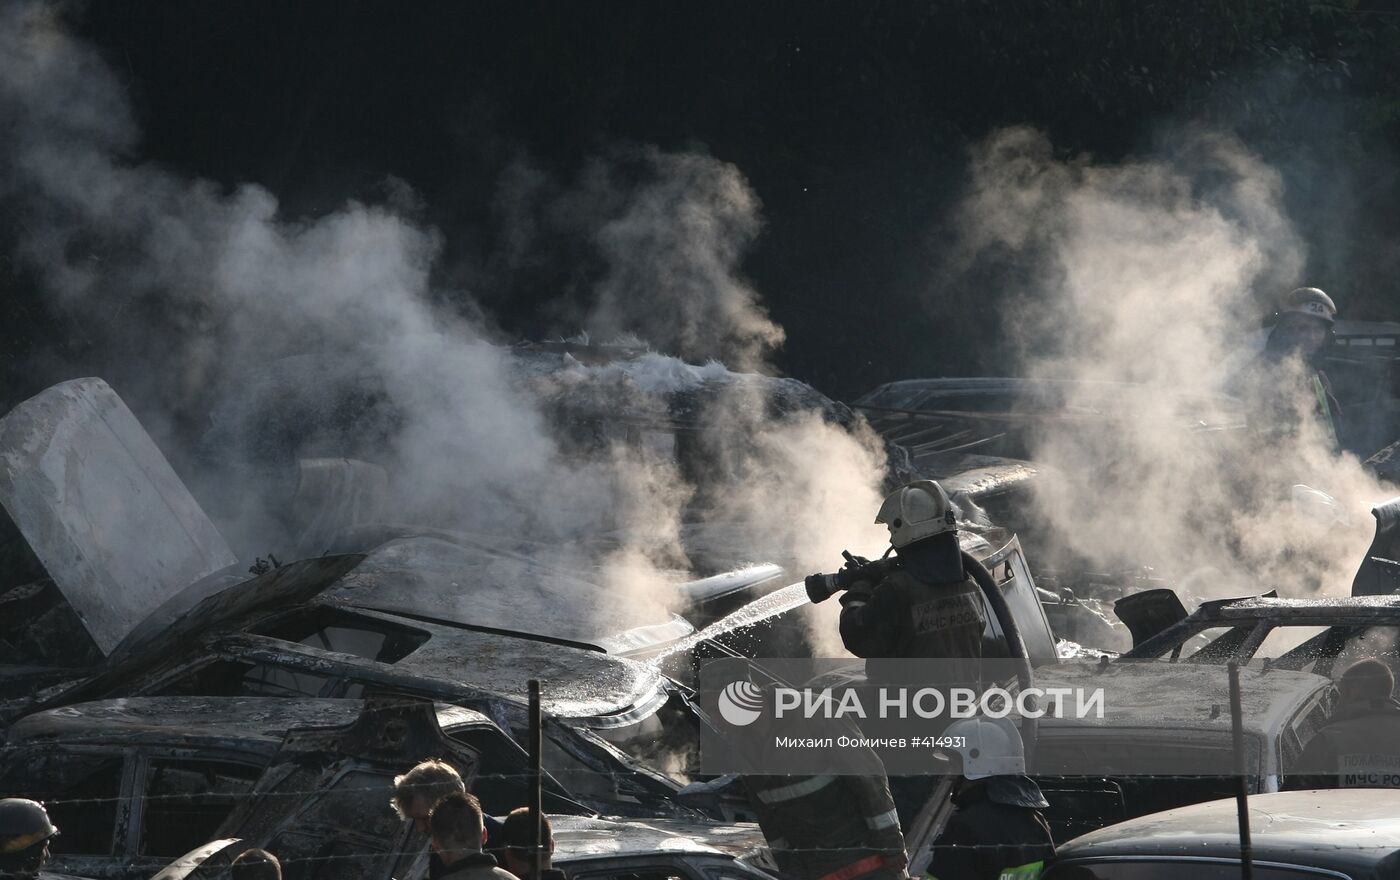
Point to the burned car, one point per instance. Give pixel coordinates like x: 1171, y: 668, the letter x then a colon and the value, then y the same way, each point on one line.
x: 1165, y: 738
x: 273, y: 637
x: 125, y: 544
x: 134, y: 783
x: 1317, y: 635
x: 1347, y: 835
x: 319, y: 800
x: 165, y: 608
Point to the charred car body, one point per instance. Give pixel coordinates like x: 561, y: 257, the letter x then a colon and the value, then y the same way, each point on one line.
x: 135, y: 783
x: 1348, y: 835
x: 1167, y: 738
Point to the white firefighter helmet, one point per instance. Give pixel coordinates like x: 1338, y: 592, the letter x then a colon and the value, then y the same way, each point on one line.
x: 916, y: 511
x: 992, y: 747
x: 1310, y: 302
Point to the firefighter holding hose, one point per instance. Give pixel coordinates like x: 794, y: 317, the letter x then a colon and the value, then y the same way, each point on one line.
x: 922, y: 603
x: 926, y: 601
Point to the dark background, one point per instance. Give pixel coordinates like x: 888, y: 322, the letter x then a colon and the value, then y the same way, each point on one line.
x: 850, y: 120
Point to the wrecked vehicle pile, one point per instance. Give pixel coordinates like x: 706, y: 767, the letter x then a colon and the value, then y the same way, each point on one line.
x: 167, y: 702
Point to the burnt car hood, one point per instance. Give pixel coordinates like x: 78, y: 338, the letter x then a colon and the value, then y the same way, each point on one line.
x: 101, y: 507
x: 460, y: 580
x: 587, y: 687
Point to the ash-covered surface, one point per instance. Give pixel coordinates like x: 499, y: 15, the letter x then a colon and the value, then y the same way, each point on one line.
x: 583, y: 685
x: 1148, y: 694
x: 579, y: 837
x: 1282, y: 825
x: 1340, y: 604
x: 256, y: 724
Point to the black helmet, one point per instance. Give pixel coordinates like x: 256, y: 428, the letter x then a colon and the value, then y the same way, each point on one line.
x: 1015, y: 791
x: 23, y: 824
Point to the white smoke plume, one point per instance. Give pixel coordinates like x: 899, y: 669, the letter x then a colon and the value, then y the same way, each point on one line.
x: 1156, y: 272
x: 217, y: 316
x: 672, y: 229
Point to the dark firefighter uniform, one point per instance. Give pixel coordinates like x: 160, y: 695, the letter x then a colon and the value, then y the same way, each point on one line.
x: 905, y: 617
x: 829, y: 827
x: 997, y: 833
x: 1280, y: 395
x: 1285, y: 386
x: 925, y: 609
x: 1359, y: 747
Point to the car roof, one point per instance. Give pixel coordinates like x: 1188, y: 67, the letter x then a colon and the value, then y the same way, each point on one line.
x: 582, y: 837
x: 1247, y: 611
x: 253, y: 724
x: 1322, y: 828
x: 1175, y: 696
x: 1343, y: 608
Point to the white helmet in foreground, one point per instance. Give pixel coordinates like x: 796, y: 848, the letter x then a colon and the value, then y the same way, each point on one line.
x: 994, y: 747
x: 916, y: 511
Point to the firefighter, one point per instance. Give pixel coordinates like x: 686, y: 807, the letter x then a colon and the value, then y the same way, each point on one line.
x: 1359, y: 746
x: 997, y: 831
x: 25, y: 832
x: 1286, y: 385
x: 925, y: 608
x: 830, y: 827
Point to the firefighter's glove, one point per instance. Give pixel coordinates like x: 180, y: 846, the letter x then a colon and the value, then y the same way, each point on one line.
x: 859, y: 594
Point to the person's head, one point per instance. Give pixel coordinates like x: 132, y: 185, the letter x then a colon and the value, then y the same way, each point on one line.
x: 1303, y: 322
x: 1366, y: 681
x: 917, y: 512
x: 256, y: 864
x: 923, y: 531
x: 457, y: 826
x: 418, y: 791
x: 517, y: 838
x: 25, y: 832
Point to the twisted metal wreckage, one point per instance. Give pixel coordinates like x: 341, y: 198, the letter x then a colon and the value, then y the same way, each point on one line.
x: 146, y: 677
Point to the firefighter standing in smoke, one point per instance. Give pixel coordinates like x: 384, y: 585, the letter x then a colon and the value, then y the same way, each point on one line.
x: 926, y: 607
x: 1285, y: 387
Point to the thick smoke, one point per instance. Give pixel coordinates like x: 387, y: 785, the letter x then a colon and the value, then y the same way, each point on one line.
x: 673, y: 257
x: 255, y: 338
x: 1156, y: 272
